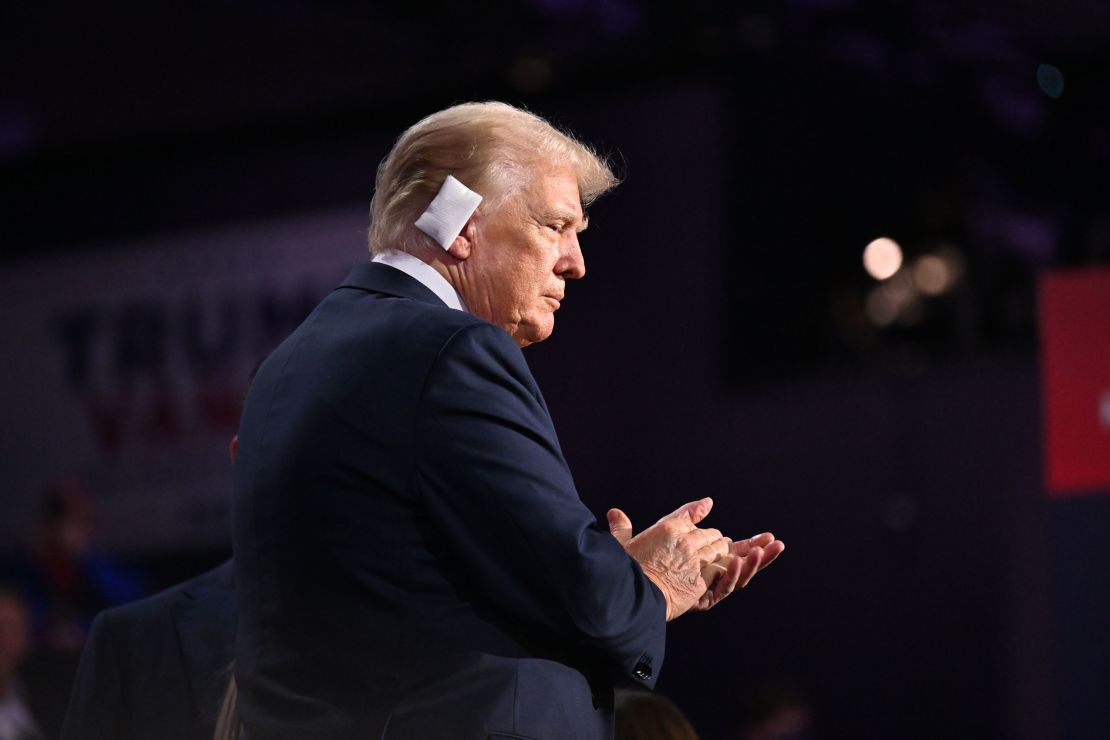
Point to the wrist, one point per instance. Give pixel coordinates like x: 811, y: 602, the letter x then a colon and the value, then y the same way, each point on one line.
x: 659, y: 582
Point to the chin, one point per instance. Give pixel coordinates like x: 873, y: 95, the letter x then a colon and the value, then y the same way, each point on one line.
x: 533, y: 333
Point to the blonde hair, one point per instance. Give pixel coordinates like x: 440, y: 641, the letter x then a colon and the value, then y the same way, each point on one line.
x: 228, y: 726
x: 492, y: 148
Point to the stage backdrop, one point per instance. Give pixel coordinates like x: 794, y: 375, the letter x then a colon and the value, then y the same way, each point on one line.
x: 1075, y: 361
x: 126, y: 366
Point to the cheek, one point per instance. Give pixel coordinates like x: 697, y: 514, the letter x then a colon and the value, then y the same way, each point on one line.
x: 525, y: 286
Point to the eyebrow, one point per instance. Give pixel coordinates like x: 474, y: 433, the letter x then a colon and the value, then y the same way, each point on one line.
x: 571, y: 217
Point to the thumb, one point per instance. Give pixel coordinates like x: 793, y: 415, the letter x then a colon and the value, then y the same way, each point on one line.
x: 692, y: 512
x: 620, y: 526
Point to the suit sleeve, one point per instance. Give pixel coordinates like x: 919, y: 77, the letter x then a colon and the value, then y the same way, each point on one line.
x: 96, y: 697
x: 493, y: 477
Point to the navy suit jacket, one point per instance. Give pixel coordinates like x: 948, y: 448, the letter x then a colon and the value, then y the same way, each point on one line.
x: 412, y: 558
x: 159, y: 667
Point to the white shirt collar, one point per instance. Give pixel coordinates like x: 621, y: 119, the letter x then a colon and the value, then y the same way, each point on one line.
x: 417, y: 269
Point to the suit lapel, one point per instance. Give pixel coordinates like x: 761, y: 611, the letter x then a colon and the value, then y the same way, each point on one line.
x: 204, y: 616
x: 379, y: 278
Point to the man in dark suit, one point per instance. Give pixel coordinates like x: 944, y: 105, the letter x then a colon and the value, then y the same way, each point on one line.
x: 158, y: 667
x: 412, y: 558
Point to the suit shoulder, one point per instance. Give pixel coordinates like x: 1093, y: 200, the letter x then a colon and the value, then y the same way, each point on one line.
x: 138, y: 611
x: 441, y: 319
x: 160, y: 604
x: 357, y: 311
x: 422, y: 331
x: 482, y: 337
x: 479, y: 356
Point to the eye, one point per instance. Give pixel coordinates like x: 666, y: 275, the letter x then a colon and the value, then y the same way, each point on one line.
x: 557, y: 228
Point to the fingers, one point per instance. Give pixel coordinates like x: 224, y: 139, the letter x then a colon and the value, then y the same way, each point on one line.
x: 726, y: 573
x: 771, y: 547
x: 700, y: 510
x: 713, y: 550
x: 712, y: 571
x: 696, y: 539
x: 736, y: 567
x: 771, y: 552
x: 705, y: 603
x: 749, y: 566
x: 667, y: 550
x: 693, y: 512
x: 620, y: 526
x: 760, y: 540
x: 726, y: 584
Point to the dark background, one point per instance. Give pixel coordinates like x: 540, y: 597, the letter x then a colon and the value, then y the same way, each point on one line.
x: 722, y: 343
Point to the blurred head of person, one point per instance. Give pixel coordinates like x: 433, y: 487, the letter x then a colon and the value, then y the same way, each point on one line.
x: 66, y: 516
x: 642, y: 715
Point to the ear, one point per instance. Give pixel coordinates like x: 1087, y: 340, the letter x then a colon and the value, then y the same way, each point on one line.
x: 233, y: 448
x: 463, y: 245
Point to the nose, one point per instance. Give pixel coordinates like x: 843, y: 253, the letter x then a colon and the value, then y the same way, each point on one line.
x: 572, y: 263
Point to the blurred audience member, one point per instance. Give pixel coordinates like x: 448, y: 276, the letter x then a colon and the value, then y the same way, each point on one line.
x: 642, y: 715
x: 68, y: 580
x: 16, y: 722
x: 161, y: 667
x: 157, y: 668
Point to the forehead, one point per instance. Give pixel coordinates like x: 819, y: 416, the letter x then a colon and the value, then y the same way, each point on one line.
x: 554, y: 191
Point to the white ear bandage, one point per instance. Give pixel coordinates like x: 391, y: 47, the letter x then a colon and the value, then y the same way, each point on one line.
x: 448, y: 212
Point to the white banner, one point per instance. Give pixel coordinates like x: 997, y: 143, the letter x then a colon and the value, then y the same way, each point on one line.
x: 126, y: 366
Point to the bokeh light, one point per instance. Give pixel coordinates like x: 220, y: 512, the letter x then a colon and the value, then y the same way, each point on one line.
x: 882, y: 258
x: 931, y: 275
x: 1050, y: 80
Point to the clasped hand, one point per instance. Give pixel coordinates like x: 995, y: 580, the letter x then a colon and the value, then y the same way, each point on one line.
x: 694, y: 568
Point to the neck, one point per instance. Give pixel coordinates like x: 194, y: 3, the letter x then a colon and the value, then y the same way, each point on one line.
x: 440, y: 261
x: 436, y: 259
x: 431, y: 270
